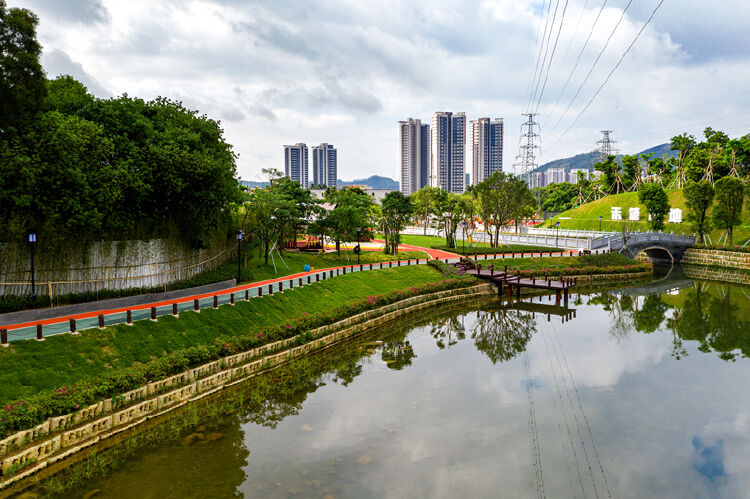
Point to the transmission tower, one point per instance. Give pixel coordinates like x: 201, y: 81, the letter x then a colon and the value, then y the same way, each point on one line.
x: 526, y: 159
x: 604, y: 146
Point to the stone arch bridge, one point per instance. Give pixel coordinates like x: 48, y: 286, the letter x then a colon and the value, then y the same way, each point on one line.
x: 658, y: 246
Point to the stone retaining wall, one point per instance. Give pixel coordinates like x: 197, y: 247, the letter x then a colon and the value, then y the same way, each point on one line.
x: 716, y: 274
x: 717, y: 258
x: 62, y: 436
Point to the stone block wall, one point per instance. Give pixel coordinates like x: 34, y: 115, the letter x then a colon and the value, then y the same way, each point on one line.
x: 717, y: 258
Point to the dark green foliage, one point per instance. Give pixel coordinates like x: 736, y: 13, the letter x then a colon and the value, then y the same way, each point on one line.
x: 397, y: 209
x: 560, y: 196
x: 655, y: 199
x: 609, y: 169
x: 486, y: 250
x: 699, y: 197
x: 22, y: 80
x: 730, y: 196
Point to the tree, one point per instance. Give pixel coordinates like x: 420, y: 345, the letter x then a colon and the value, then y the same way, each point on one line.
x: 730, y: 196
x: 609, y: 169
x: 22, y: 80
x: 501, y: 199
x: 303, y: 203
x: 423, y: 202
x: 656, y: 202
x: 449, y: 208
x: 265, y: 206
x: 352, y: 210
x: 396, y: 213
x: 631, y: 170
x: 560, y: 196
x: 699, y: 197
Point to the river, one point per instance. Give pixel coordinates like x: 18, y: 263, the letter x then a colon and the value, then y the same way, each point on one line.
x: 633, y: 392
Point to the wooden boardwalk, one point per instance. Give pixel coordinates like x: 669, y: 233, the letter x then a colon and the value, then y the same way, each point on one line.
x: 513, y: 282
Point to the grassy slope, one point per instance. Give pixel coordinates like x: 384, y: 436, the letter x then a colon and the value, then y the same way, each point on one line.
x: 297, y: 262
x: 586, y: 217
x: 65, y: 359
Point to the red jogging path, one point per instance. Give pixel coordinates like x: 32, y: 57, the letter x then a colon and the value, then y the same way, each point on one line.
x: 186, y: 299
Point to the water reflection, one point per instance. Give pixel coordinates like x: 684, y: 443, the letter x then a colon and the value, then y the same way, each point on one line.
x: 440, y: 407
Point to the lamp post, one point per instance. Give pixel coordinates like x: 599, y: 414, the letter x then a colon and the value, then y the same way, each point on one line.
x: 358, y: 249
x: 32, y: 243
x: 240, y: 233
x: 600, y: 223
x: 557, y: 232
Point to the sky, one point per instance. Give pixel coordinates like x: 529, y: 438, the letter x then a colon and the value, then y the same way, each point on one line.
x: 345, y: 72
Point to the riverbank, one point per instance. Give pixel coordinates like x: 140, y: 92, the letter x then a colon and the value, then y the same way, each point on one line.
x: 59, y: 437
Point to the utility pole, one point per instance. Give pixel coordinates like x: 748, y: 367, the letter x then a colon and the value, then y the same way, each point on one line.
x: 526, y: 159
x: 605, y: 148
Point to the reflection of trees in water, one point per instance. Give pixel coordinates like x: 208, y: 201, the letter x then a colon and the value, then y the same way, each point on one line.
x: 649, y: 316
x: 714, y: 322
x: 502, y: 334
x: 397, y: 354
x: 448, y: 331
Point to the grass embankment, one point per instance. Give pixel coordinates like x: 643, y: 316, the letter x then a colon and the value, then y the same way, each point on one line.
x: 586, y: 217
x: 255, y: 270
x: 29, y: 366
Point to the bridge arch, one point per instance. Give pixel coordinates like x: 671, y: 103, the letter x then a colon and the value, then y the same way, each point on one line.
x: 657, y: 254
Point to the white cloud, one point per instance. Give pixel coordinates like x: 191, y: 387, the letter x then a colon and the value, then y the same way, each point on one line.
x: 345, y: 72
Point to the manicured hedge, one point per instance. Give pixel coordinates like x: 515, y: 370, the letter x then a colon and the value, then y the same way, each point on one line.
x: 31, y: 411
x: 587, y: 270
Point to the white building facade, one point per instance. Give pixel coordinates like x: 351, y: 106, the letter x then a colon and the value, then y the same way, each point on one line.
x: 325, y: 168
x: 295, y: 163
x: 447, y: 151
x: 414, y: 154
x: 485, y: 148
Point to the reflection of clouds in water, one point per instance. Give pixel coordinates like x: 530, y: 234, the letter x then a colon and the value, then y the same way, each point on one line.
x: 708, y: 460
x: 722, y: 455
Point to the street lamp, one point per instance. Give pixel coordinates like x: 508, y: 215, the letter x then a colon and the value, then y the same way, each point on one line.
x: 357, y: 249
x: 600, y: 223
x: 32, y: 243
x: 240, y: 233
x: 557, y: 226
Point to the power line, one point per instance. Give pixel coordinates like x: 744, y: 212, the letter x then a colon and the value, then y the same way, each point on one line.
x: 552, y: 56
x: 539, y: 55
x: 578, y: 60
x: 613, y: 70
x: 546, y: 50
x: 532, y: 73
x: 596, y: 61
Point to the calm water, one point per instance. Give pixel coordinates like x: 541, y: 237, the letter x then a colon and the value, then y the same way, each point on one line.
x: 643, y: 394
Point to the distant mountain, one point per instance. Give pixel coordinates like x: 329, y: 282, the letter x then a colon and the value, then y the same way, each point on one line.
x: 374, y: 182
x: 587, y: 159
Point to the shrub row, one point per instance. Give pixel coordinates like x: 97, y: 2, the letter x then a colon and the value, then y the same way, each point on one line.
x: 31, y: 411
x: 374, y: 256
x: 583, y: 270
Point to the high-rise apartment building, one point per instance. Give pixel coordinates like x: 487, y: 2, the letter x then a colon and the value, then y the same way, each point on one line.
x: 573, y: 174
x: 415, y: 155
x: 447, y: 147
x: 295, y: 163
x: 324, y: 165
x: 536, y: 179
x: 556, y: 175
x: 485, y: 148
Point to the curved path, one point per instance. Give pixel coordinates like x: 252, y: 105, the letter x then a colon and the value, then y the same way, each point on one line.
x: 105, y: 313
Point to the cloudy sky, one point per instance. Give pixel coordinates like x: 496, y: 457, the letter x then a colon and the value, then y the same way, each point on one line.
x: 344, y: 72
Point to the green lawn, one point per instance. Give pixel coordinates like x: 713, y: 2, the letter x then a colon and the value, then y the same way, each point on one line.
x: 29, y: 366
x: 297, y: 261
x: 586, y: 217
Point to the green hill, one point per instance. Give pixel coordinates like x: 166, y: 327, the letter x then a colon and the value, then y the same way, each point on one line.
x: 587, y: 159
x: 586, y: 217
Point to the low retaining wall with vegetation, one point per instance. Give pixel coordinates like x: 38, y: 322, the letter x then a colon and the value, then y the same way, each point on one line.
x: 716, y: 274
x: 61, y: 436
x: 717, y: 258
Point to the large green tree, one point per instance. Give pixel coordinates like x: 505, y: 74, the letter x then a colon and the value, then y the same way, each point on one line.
x: 657, y: 204
x: 730, y: 196
x: 699, y: 197
x: 352, y: 209
x: 502, y: 199
x: 396, y: 213
x: 22, y: 80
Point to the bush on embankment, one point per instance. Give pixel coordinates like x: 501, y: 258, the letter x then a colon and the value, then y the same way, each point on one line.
x: 31, y: 411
